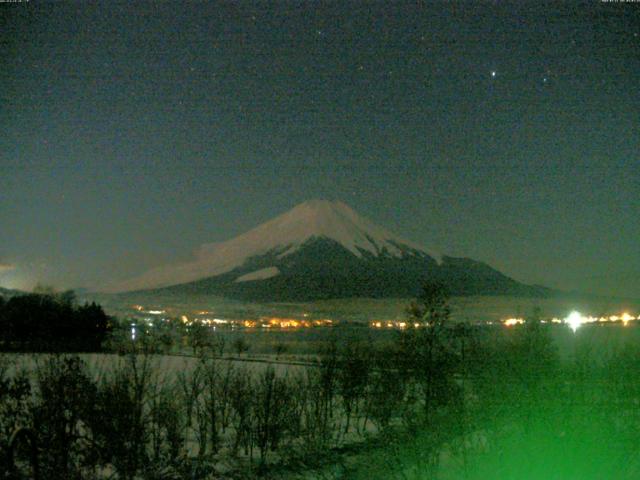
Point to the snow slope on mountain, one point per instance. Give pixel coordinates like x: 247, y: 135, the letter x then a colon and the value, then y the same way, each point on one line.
x: 261, y: 274
x: 284, y: 235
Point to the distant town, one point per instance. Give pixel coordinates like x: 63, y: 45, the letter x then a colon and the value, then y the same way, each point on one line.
x: 148, y: 316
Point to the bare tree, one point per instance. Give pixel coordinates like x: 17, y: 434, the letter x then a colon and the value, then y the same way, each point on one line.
x: 121, y: 423
x: 241, y: 398
x: 190, y: 384
x: 240, y: 345
x: 166, y: 419
x: 64, y: 408
x: 270, y: 407
x: 280, y: 348
x: 352, y: 378
x: 425, y: 354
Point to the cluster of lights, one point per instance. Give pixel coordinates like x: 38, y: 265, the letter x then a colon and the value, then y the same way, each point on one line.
x: 276, y: 322
x: 207, y: 322
x: 575, y: 319
x: 212, y: 322
x: 140, y: 308
x: 510, y: 322
x: 201, y: 317
x: 398, y: 324
x: 265, y: 322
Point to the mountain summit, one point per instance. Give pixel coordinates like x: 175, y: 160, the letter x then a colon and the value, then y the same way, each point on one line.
x: 319, y: 249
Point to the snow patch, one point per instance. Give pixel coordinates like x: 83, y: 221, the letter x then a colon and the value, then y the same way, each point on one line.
x: 259, y: 274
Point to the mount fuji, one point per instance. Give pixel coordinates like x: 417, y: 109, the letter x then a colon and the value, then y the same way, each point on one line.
x: 321, y: 249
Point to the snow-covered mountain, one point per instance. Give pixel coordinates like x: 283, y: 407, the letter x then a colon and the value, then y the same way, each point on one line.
x: 319, y: 249
x: 284, y: 234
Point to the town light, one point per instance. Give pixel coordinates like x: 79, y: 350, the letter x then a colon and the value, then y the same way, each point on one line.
x: 574, y: 320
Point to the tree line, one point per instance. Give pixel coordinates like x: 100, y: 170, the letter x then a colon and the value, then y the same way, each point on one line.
x: 51, y: 322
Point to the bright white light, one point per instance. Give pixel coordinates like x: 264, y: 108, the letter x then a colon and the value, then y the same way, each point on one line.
x: 574, y: 320
x: 133, y: 332
x: 493, y: 74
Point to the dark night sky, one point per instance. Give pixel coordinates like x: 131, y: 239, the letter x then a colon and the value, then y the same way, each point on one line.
x: 133, y: 132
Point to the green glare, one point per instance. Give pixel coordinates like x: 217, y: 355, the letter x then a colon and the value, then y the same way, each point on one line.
x: 531, y: 412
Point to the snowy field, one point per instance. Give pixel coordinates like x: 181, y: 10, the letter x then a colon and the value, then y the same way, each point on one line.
x: 164, y: 367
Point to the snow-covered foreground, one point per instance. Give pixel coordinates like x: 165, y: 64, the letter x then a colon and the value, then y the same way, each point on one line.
x: 507, y: 405
x: 218, y: 411
x: 163, y: 367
